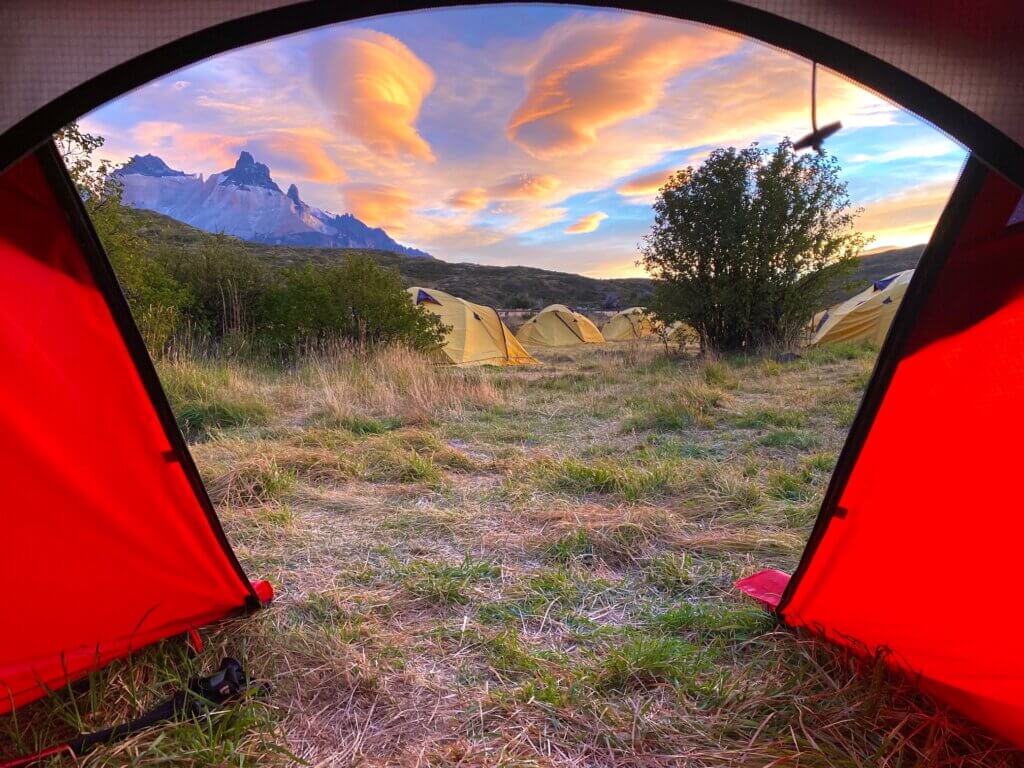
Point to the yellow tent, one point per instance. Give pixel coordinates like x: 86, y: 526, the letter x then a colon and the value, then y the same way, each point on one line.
x: 477, y: 335
x: 867, y: 316
x: 683, y: 334
x: 559, y: 326
x: 629, y: 324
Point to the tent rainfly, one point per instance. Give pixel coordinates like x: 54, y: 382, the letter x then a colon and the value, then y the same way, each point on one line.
x: 627, y: 325
x: 559, y: 326
x: 866, y: 316
x: 113, y: 544
x: 109, y: 532
x: 476, y: 334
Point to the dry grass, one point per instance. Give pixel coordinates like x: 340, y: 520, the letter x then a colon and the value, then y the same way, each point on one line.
x: 502, y: 567
x: 344, y: 388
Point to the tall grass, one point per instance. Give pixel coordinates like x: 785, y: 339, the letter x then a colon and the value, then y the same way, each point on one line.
x: 450, y: 595
x: 207, y: 395
x: 691, y: 404
x: 366, y: 392
x: 345, y: 387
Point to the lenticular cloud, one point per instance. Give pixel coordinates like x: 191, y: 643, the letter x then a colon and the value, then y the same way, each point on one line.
x: 376, y: 85
x: 594, y: 72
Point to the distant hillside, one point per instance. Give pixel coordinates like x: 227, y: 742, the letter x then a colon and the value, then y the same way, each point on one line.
x: 503, y: 287
x: 506, y: 287
x: 873, y: 267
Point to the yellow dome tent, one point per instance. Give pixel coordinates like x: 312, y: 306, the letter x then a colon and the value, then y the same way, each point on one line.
x: 683, y: 334
x: 559, y: 326
x: 627, y: 325
x: 867, y: 316
x: 477, y: 335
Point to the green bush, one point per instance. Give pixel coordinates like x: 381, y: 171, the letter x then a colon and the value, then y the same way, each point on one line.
x: 226, y: 284
x: 358, y: 301
x: 159, y: 302
x: 218, y: 292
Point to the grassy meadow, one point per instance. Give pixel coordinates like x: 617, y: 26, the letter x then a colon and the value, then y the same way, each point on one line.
x: 517, y: 567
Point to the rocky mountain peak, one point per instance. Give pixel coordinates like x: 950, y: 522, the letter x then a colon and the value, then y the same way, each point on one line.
x: 149, y: 165
x: 249, y: 173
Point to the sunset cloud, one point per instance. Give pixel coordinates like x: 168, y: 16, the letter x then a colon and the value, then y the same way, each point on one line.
x: 378, y: 205
x: 764, y: 95
x: 907, y: 217
x: 646, y: 185
x: 527, y: 218
x: 186, y: 148
x: 925, y: 149
x: 494, y: 136
x: 298, y: 153
x: 524, y: 186
x: 469, y: 199
x: 222, y: 105
x: 593, y: 72
x: 588, y: 223
x: 376, y: 86
x: 519, y: 186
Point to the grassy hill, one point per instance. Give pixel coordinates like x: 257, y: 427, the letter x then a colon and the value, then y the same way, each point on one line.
x: 505, y: 287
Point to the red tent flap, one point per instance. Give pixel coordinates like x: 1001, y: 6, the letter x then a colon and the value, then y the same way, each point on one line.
x: 109, y: 542
x: 924, y: 564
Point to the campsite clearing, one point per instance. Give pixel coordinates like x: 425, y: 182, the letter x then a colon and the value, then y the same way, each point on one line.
x: 518, y: 567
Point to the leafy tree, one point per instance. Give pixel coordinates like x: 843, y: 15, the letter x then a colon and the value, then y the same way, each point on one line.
x: 745, y: 247
x: 92, y: 176
x: 358, y: 301
x: 159, y: 302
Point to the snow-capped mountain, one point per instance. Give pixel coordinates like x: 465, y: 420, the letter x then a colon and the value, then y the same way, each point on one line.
x: 245, y: 202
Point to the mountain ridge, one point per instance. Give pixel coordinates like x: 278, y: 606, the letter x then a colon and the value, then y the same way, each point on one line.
x: 245, y: 202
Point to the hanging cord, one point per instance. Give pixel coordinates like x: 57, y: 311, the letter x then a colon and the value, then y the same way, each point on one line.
x: 814, y: 100
x: 816, y: 137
